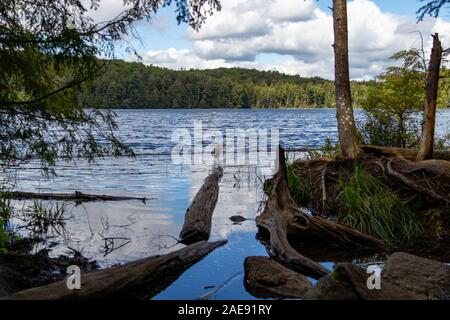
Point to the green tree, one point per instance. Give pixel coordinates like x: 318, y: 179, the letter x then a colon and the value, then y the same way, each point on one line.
x: 392, y: 106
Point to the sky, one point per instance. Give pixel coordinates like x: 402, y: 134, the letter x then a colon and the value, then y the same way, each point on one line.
x: 290, y: 36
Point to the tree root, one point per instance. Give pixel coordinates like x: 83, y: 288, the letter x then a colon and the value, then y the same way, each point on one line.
x: 416, y: 186
x: 283, y: 220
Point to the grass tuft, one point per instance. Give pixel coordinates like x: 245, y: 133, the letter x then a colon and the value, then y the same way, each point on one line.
x: 369, y: 206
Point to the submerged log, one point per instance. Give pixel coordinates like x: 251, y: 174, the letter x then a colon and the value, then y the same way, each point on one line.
x: 198, y: 218
x: 284, y: 222
x: 76, y: 196
x: 408, y: 154
x: 136, y: 280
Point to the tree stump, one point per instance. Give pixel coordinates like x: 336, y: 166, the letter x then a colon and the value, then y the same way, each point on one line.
x: 283, y: 222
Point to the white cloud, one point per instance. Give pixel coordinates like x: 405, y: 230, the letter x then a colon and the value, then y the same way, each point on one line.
x: 181, y: 59
x: 233, y: 24
x: 282, y: 10
x: 303, y: 34
x: 107, y: 9
x: 111, y: 9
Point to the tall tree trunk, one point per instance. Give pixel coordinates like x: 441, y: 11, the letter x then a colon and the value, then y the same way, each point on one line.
x: 427, y: 142
x: 344, y: 107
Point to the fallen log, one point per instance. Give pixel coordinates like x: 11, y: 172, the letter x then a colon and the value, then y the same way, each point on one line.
x: 285, y: 222
x: 198, y: 218
x: 76, y: 196
x: 141, y: 279
x: 408, y: 154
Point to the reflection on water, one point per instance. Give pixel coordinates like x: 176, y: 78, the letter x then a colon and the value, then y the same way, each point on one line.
x: 152, y: 227
x: 145, y: 229
x: 218, y: 268
x: 140, y: 230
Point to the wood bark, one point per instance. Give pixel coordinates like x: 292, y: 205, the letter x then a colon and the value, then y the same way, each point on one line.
x: 136, y: 280
x: 283, y: 221
x: 76, y: 196
x: 344, y: 107
x: 427, y: 142
x: 198, y: 218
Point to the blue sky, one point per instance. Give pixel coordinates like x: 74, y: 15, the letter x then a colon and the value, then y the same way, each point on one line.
x: 279, y: 35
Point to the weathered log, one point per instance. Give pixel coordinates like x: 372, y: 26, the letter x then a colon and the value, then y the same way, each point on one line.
x: 408, y: 154
x: 198, y: 218
x: 136, y: 280
x: 284, y: 222
x: 76, y: 196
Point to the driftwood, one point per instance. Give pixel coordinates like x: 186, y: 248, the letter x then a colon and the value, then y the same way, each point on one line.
x: 408, y: 154
x: 198, y: 218
x: 284, y: 221
x: 76, y: 196
x: 140, y: 279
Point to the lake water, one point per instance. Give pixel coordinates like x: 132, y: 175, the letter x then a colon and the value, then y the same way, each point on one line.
x: 149, y: 228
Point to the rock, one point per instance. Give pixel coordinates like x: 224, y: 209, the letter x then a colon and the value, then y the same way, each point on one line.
x: 345, y: 283
x: 266, y: 278
x: 424, y: 278
x: 405, y: 277
x: 349, y: 282
x: 328, y: 288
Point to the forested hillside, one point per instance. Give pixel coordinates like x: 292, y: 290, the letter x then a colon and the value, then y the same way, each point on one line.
x: 134, y: 85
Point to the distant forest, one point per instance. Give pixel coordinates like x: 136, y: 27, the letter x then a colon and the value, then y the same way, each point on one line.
x: 134, y: 85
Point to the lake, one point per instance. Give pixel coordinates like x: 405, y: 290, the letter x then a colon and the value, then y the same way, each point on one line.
x: 145, y: 229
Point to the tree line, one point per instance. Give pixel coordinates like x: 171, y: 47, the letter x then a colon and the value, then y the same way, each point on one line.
x: 134, y: 85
